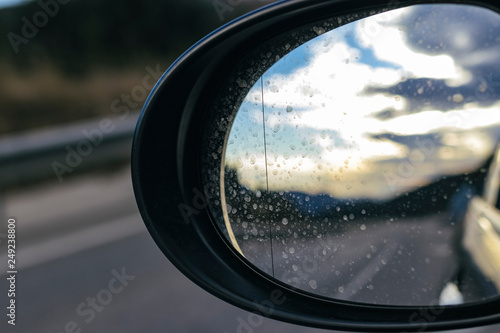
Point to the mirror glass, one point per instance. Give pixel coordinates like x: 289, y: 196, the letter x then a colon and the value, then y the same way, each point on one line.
x: 358, y: 166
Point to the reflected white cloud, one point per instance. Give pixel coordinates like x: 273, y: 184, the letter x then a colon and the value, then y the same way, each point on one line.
x: 470, y: 117
x: 389, y: 44
x: 323, y: 130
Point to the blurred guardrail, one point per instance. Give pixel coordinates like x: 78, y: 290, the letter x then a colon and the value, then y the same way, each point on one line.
x: 58, y: 152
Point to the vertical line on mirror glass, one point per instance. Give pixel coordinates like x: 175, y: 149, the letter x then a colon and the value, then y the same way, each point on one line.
x: 264, y: 127
x: 265, y: 161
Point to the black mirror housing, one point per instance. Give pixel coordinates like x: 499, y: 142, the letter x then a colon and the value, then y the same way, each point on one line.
x: 174, y: 194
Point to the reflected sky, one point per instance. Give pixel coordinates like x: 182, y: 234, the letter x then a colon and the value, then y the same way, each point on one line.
x: 9, y: 3
x: 374, y: 108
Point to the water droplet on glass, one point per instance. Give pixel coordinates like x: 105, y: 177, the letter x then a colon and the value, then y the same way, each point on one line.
x: 313, y: 284
x: 458, y: 98
x: 241, y: 83
x: 319, y: 30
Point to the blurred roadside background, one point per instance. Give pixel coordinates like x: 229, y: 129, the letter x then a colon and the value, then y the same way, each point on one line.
x: 73, y: 78
x: 66, y: 62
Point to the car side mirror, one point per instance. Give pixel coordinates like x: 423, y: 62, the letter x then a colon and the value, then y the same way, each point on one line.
x: 317, y: 162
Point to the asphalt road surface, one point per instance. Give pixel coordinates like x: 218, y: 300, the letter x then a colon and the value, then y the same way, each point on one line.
x: 86, y: 263
x: 404, y: 262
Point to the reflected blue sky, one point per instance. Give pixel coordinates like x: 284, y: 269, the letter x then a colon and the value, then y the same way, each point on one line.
x: 367, y: 55
x: 8, y: 3
x: 304, y: 55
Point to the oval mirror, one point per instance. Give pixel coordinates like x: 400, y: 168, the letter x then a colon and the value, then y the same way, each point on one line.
x: 356, y: 166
